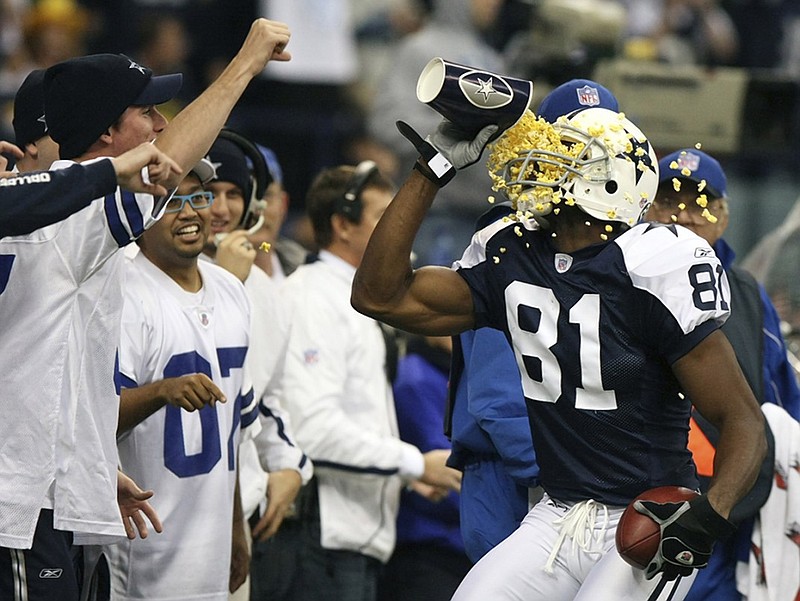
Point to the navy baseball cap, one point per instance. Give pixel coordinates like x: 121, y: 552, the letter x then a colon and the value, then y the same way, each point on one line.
x: 84, y: 96
x: 576, y: 94
x: 29, y: 123
x: 230, y: 162
x: 694, y: 165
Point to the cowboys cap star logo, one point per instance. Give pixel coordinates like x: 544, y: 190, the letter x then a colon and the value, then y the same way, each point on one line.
x: 638, y: 158
x: 137, y: 66
x: 486, y: 88
x: 43, y: 122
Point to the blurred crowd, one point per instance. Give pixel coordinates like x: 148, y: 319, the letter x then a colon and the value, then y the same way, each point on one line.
x: 316, y: 112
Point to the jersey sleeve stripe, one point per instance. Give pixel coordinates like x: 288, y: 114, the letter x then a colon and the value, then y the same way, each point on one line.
x: 379, y: 471
x: 133, y: 213
x: 267, y: 412
x: 249, y: 410
x: 115, y: 222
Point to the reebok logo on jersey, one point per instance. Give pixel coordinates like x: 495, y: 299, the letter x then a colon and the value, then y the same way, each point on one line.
x: 33, y: 178
x: 700, y: 253
x: 50, y: 573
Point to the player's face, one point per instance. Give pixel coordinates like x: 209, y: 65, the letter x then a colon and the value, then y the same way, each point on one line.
x: 138, y: 124
x: 375, y: 202
x: 681, y: 207
x: 228, y: 207
x: 180, y: 236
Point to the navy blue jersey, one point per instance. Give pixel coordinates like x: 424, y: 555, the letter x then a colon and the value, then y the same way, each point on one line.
x: 594, y: 334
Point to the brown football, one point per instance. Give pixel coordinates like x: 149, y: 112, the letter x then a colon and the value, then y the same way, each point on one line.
x: 638, y: 536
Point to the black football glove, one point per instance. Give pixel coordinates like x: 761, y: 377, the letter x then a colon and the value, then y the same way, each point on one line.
x: 688, y: 532
x: 447, y: 149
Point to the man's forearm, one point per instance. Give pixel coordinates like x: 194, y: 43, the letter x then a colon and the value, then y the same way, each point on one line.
x: 30, y: 201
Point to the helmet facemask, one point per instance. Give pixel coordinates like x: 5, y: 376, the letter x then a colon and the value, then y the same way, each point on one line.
x: 594, y: 159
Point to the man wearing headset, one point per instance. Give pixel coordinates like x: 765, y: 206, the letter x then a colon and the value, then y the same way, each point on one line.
x: 339, y: 397
x: 239, y: 187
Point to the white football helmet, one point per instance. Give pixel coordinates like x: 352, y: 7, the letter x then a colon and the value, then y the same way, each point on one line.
x: 614, y: 177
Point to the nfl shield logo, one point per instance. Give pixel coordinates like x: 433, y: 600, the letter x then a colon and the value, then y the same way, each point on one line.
x: 588, y: 96
x: 563, y: 262
x: 688, y: 160
x: 203, y: 317
x: 311, y: 356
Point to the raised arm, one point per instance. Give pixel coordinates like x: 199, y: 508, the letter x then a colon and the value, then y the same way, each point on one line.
x: 189, y: 136
x: 433, y: 301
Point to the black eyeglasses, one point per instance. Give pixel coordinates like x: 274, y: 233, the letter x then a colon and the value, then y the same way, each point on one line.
x: 198, y: 200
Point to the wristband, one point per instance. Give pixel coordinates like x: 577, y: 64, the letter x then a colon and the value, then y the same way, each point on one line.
x: 436, y: 167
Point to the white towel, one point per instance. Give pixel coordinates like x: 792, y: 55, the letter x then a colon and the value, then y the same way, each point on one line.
x: 773, y: 572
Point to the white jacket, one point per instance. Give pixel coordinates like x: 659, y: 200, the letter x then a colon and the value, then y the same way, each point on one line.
x: 341, y: 405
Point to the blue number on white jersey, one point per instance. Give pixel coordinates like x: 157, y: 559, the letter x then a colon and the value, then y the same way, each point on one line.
x: 175, y: 457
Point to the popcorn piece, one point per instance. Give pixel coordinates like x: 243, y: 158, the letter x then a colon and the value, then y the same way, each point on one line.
x: 518, y: 231
x: 698, y: 146
x: 609, y: 229
x: 702, y: 201
x: 709, y: 217
x: 701, y: 186
x: 686, y: 172
x: 265, y: 246
x: 496, y: 260
x: 603, y: 237
x: 502, y: 249
x: 676, y: 184
x: 491, y: 200
x: 682, y: 206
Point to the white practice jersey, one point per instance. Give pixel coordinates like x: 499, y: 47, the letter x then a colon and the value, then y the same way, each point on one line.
x: 60, y: 305
x: 188, y: 458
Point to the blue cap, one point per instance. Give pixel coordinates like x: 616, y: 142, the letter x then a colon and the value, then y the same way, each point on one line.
x: 700, y: 167
x: 574, y: 95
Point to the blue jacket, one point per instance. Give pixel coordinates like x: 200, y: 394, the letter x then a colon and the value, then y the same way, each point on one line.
x: 420, y: 393
x: 491, y: 439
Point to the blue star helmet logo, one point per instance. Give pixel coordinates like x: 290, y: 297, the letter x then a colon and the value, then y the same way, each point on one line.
x: 639, y: 157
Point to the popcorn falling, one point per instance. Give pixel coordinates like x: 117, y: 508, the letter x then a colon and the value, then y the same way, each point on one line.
x: 518, y: 231
x: 676, y: 184
x: 707, y: 214
x: 265, y: 246
x: 496, y: 260
x: 491, y: 200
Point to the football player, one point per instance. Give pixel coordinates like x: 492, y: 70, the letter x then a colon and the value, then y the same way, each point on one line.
x: 608, y: 321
